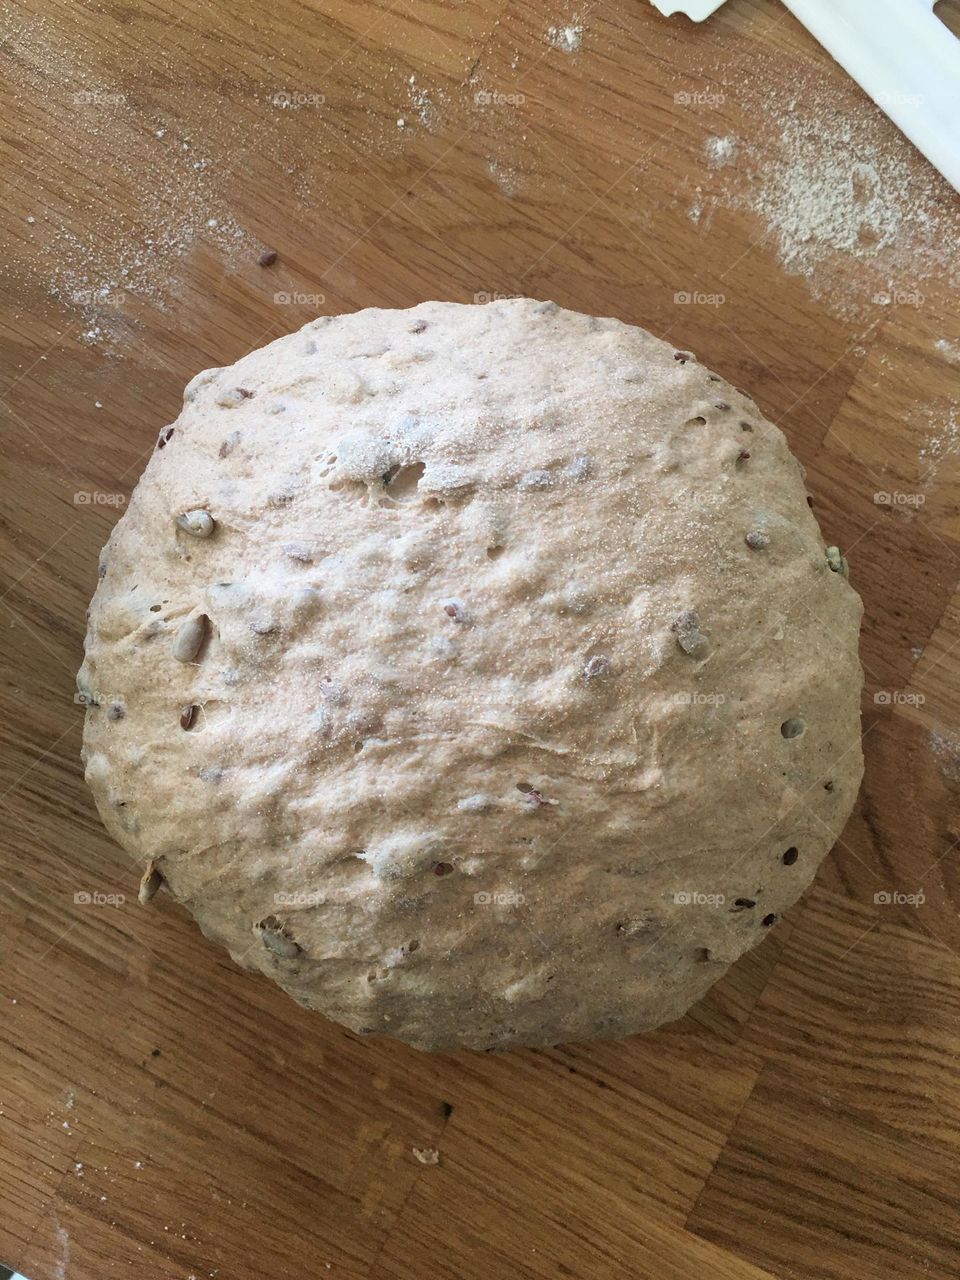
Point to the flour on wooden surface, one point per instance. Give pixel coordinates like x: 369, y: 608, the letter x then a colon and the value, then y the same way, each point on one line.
x: 174, y: 192
x: 62, y: 1260
x: 568, y: 38
x: 946, y: 750
x: 721, y: 151
x: 828, y: 194
x: 424, y: 102
x: 941, y: 441
x: 838, y: 189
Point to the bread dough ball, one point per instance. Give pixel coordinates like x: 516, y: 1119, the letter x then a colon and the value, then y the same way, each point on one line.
x: 478, y: 673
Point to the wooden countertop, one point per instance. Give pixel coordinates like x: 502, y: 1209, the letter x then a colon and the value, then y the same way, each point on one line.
x: 165, y: 1116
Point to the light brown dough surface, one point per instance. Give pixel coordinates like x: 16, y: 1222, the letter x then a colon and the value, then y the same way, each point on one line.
x: 483, y: 668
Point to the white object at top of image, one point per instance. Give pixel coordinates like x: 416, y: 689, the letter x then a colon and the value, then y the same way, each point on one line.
x: 900, y: 54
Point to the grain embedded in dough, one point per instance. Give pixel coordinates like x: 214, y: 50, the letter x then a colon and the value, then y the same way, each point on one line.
x: 503, y: 697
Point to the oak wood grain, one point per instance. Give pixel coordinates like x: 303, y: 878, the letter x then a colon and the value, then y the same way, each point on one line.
x: 163, y: 1114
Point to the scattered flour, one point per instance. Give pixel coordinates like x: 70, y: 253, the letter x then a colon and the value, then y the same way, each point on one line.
x: 841, y: 205
x: 702, y: 209
x: 170, y: 187
x: 175, y: 177
x: 62, y: 1261
x: 840, y: 196
x: 942, y: 441
x: 946, y: 749
x: 569, y: 38
x: 508, y: 180
x: 949, y: 350
x: 100, y: 267
x: 822, y: 199
x: 423, y: 102
x: 823, y: 171
x: 721, y: 151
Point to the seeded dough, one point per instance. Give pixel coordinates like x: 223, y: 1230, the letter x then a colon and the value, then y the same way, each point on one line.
x: 478, y: 673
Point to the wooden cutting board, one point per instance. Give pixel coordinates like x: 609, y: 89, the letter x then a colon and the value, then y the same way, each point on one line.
x: 165, y: 1116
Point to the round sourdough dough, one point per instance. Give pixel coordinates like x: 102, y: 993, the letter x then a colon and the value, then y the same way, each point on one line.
x: 478, y: 673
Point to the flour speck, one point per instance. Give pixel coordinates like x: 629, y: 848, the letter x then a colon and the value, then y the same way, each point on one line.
x: 721, y: 151
x: 942, y: 441
x: 946, y: 751
x: 568, y: 38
